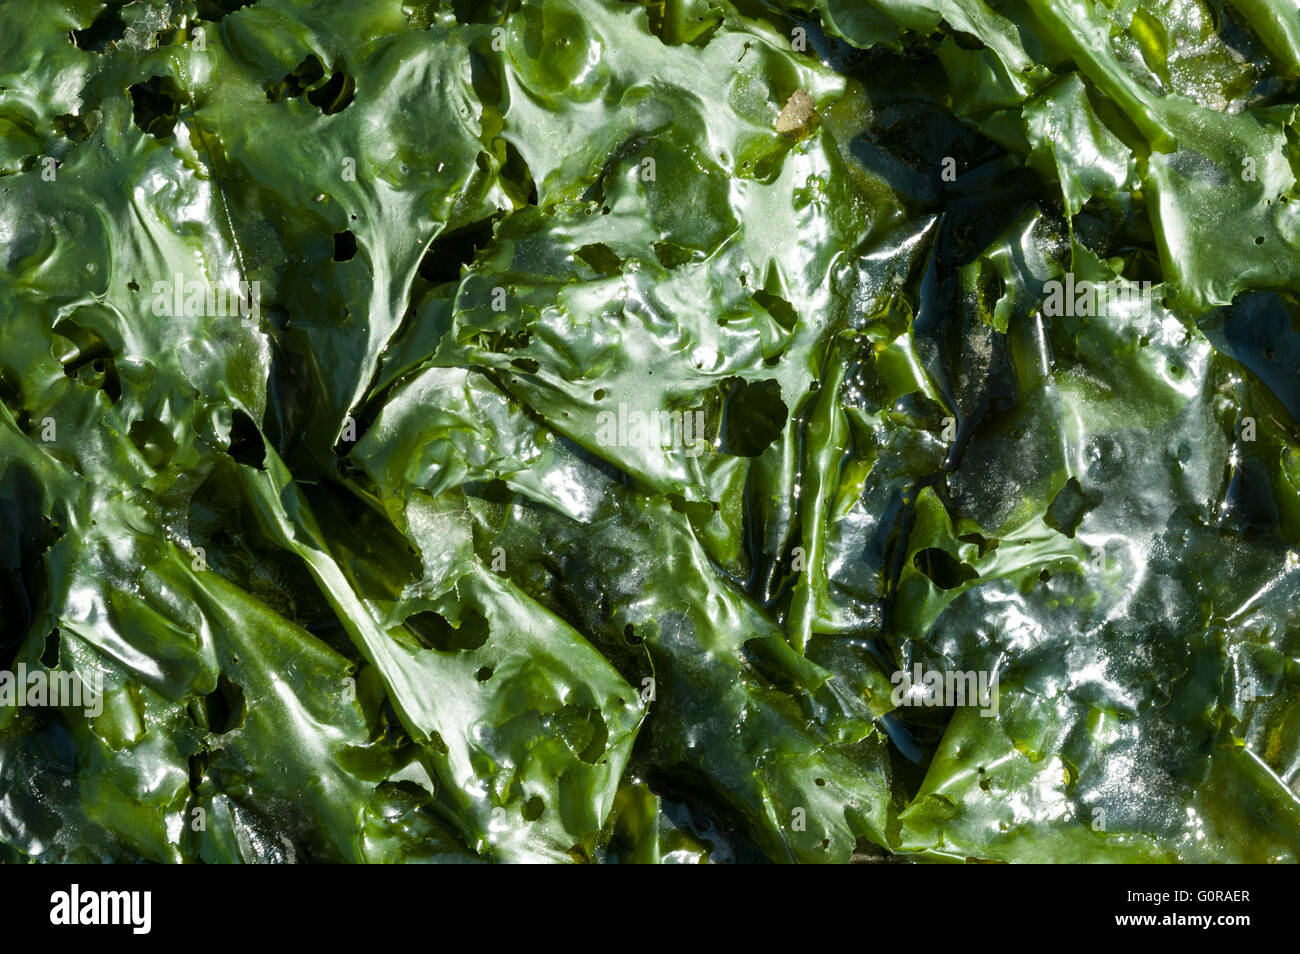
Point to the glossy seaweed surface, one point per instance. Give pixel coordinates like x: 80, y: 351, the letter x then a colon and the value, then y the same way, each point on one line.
x: 564, y: 429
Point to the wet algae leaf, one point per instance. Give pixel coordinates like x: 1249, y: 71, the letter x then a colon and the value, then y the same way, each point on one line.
x: 649, y: 432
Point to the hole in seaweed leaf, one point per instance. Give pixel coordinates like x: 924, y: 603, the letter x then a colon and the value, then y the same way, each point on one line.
x: 105, y: 30
x: 778, y: 308
x: 298, y: 80
x: 452, y: 250
x: 72, y: 128
x: 517, y: 178
x: 156, y: 105
x: 435, y: 632
x: 92, y: 364
x: 214, y: 10
x: 50, y: 654
x: 225, y: 707
x: 601, y: 258
x: 944, y: 570
x: 345, y: 246
x: 25, y: 535
x: 335, y: 95
x: 246, y: 445
x: 754, y: 416
x: 1068, y: 507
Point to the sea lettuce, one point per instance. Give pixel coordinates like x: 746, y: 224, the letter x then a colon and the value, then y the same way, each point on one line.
x: 371, y: 565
